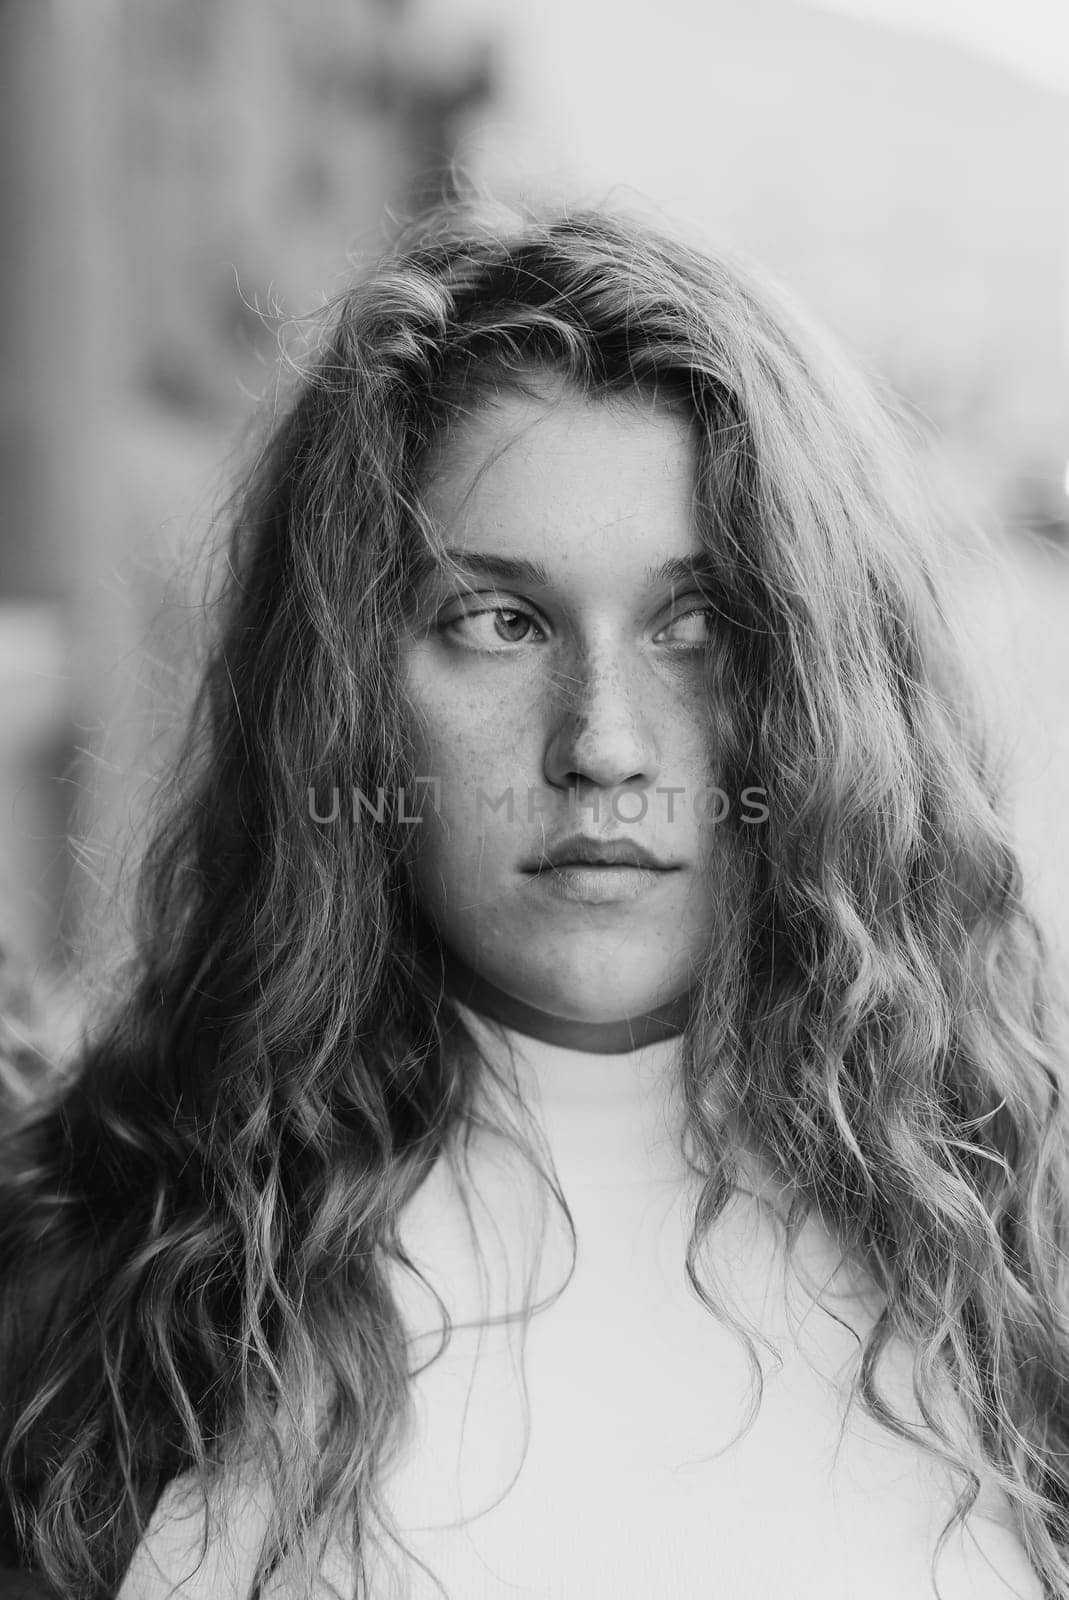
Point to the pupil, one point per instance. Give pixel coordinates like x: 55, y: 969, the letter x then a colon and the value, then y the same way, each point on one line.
x: 518, y: 621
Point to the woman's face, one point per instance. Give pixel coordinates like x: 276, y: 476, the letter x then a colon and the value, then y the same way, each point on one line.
x: 557, y: 692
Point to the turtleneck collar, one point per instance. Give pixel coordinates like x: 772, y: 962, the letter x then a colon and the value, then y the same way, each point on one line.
x: 611, y: 1118
x: 607, y: 1094
x: 619, y: 1037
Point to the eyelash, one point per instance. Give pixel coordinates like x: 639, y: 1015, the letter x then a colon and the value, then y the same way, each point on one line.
x: 520, y: 611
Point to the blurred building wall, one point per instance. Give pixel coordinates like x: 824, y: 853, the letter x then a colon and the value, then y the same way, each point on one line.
x: 177, y: 178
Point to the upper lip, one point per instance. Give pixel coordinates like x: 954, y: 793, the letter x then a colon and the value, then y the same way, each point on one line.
x: 582, y: 850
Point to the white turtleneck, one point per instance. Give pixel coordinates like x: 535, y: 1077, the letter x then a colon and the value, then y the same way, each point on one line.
x: 603, y: 1456
x: 631, y: 1487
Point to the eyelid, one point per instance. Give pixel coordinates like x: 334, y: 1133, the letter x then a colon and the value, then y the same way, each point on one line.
x: 446, y: 622
x: 494, y: 601
x: 497, y: 600
x: 685, y: 605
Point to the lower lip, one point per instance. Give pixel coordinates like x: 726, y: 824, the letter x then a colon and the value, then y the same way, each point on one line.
x: 592, y: 885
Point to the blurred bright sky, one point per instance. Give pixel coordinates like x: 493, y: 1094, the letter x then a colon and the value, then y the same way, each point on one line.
x: 1030, y: 35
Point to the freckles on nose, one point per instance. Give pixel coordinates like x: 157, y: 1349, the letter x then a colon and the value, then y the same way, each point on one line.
x: 588, y: 677
x: 601, y: 691
x: 598, y: 728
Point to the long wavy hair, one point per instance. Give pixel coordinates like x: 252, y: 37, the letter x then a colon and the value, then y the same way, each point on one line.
x: 197, y: 1229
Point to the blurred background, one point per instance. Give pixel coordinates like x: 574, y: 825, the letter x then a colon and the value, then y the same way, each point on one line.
x: 180, y: 179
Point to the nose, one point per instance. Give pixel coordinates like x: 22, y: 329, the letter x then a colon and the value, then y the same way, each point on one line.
x: 600, y: 734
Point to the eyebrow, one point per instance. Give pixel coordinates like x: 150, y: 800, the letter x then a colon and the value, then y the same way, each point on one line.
x: 513, y: 569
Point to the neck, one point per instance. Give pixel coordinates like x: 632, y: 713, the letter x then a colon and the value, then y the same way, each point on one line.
x: 596, y: 1038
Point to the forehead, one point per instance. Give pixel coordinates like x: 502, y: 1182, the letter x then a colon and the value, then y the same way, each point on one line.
x: 558, y: 477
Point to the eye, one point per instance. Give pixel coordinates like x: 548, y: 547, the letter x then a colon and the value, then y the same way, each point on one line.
x: 494, y: 628
x: 691, y: 630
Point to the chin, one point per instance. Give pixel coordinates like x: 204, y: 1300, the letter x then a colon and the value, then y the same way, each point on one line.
x: 593, y: 1002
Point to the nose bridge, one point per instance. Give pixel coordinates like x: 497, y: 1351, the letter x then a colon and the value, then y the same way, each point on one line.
x: 601, y: 730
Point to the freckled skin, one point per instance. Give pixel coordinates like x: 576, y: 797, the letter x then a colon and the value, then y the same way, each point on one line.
x: 580, y: 695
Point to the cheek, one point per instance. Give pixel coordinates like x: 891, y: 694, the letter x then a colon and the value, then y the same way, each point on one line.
x: 468, y: 733
x: 467, y: 762
x: 464, y: 748
x: 463, y: 859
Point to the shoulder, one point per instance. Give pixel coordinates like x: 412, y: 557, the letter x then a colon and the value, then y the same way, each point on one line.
x: 200, y: 1545
x: 206, y: 1547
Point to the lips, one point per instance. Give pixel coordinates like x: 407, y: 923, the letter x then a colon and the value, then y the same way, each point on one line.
x: 583, y: 851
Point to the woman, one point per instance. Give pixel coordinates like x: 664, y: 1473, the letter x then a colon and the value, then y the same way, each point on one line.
x: 583, y: 799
